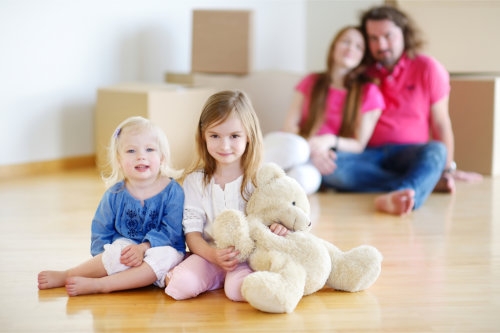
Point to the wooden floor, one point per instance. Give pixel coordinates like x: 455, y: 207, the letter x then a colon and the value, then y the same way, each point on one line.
x: 441, y: 269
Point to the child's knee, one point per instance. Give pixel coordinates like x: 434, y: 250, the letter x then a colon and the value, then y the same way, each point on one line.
x: 233, y: 292
x: 184, y: 285
x: 111, y: 258
x: 233, y: 282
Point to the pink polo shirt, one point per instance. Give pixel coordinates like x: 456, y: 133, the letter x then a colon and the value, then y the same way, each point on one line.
x: 409, y: 91
x: 371, y: 100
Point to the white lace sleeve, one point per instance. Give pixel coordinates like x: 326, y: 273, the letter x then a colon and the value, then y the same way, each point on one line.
x: 194, y: 215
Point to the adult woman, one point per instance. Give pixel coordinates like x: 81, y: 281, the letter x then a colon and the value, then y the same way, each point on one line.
x: 335, y: 110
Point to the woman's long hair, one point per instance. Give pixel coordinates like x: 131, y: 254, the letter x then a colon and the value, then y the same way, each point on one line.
x: 353, y: 82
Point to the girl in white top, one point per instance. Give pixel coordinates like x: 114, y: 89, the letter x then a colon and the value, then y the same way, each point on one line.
x: 229, y: 147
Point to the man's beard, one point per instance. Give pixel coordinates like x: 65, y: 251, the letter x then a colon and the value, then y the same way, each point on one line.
x: 386, y: 59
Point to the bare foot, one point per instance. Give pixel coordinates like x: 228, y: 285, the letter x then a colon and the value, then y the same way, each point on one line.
x: 51, y: 279
x: 467, y: 176
x: 399, y: 202
x: 78, y: 285
x: 446, y: 184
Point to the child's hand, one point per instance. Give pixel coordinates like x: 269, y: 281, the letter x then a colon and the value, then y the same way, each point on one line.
x: 226, y: 258
x: 279, y: 229
x: 133, y: 255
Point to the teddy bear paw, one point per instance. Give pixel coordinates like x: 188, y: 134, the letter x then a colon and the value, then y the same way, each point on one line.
x: 358, y: 269
x: 269, y: 292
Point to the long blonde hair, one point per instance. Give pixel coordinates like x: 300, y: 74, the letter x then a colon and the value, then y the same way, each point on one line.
x: 143, y: 125
x: 216, y: 110
x: 353, y: 82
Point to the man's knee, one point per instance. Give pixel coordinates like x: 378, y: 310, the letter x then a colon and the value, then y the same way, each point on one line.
x: 437, y: 150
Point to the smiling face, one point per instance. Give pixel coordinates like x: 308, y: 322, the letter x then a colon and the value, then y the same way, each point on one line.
x: 385, y: 41
x: 227, y: 141
x: 139, y: 155
x: 349, y: 49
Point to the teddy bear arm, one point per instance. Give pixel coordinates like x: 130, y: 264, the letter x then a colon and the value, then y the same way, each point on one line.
x: 231, y: 229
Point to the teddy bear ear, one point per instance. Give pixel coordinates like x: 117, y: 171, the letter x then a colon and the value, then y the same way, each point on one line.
x: 268, y: 173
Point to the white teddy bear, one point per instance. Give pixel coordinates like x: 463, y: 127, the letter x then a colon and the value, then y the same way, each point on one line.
x: 289, y: 267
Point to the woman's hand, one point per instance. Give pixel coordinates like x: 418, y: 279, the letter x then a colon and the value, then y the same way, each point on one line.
x: 321, y: 143
x: 322, y: 156
x: 324, y: 161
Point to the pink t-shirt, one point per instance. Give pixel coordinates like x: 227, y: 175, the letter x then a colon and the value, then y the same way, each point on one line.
x: 372, y: 99
x: 409, y: 91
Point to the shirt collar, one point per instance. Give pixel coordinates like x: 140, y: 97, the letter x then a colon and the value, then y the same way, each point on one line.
x: 403, y: 61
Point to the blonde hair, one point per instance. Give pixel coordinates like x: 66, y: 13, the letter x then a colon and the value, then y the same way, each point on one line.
x: 142, y: 125
x: 216, y: 110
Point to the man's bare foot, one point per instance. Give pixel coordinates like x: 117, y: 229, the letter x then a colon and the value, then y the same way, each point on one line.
x: 446, y: 184
x: 467, y: 176
x: 399, y: 202
x: 78, y: 285
x: 51, y: 279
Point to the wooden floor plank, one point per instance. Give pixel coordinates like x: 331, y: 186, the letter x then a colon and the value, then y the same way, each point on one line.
x: 441, y: 269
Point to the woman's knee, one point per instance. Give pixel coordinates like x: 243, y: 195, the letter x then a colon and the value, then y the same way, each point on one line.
x: 285, y: 149
x: 307, y: 176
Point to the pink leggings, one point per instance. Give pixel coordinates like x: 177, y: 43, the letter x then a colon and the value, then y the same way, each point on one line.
x: 196, y: 275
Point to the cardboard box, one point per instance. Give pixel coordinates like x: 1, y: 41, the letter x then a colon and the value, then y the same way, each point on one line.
x: 221, y: 41
x: 475, y: 117
x: 174, y: 108
x: 450, y: 40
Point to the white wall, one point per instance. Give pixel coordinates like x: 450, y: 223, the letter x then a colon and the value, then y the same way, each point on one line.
x: 324, y: 19
x: 55, y: 54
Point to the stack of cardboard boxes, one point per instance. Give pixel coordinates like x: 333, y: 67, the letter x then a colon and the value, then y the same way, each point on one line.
x: 221, y: 59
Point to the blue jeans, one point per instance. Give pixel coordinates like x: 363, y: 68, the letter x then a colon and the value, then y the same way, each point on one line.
x: 390, y: 168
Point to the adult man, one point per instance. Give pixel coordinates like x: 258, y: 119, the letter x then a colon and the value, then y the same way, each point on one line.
x: 400, y: 159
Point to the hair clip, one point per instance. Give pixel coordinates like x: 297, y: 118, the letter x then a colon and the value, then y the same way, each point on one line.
x: 117, y: 132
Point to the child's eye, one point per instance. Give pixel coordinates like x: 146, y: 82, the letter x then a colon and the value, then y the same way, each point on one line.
x: 235, y: 136
x: 150, y: 150
x: 130, y: 151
